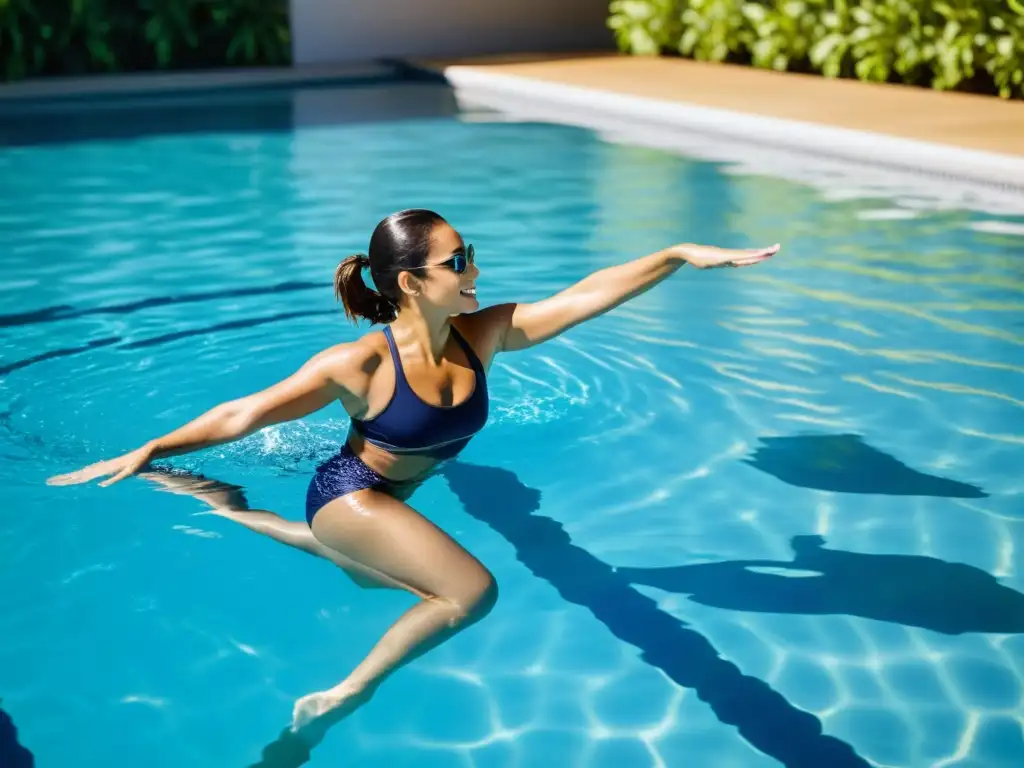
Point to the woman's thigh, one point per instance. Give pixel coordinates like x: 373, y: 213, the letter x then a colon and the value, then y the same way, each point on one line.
x: 399, y: 546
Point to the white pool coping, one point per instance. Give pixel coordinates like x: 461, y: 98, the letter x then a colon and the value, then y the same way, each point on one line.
x: 626, y: 115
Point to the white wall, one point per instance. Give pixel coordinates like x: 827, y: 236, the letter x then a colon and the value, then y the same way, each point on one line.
x: 335, y: 31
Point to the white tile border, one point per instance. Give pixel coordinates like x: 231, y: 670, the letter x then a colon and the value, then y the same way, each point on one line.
x: 654, y: 121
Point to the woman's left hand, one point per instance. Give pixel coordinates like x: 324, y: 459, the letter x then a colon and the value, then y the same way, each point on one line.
x: 710, y: 257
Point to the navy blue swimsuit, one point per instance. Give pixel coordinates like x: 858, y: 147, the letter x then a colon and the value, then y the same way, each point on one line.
x: 407, y: 425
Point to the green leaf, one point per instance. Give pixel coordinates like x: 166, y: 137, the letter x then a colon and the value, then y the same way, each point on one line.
x: 861, y: 34
x: 689, y: 40
x: 793, y: 8
x: 641, y: 42
x: 825, y: 47
x: 755, y: 12
x: 872, y: 68
x: 163, y: 52
x: 862, y: 15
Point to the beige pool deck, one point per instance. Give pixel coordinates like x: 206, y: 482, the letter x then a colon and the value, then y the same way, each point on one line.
x: 965, y: 121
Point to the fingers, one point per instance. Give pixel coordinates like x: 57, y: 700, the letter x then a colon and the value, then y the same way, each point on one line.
x: 129, y: 469
x: 67, y: 479
x: 78, y: 476
x: 115, y: 479
x: 746, y: 262
x: 717, y: 258
x: 755, y: 257
x: 73, y: 478
x: 93, y: 471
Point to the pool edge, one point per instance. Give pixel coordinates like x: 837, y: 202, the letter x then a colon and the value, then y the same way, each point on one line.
x: 127, y: 85
x: 597, y: 108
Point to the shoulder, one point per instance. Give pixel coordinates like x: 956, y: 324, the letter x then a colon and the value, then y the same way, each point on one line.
x: 351, y: 364
x: 485, y: 329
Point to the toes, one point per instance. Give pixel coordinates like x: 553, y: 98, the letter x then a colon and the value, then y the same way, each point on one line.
x: 305, y: 710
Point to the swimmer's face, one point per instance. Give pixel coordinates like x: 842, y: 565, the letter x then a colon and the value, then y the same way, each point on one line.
x: 448, y: 280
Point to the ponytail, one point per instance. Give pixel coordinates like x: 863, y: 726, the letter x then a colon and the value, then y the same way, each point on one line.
x: 399, y: 243
x: 359, y: 299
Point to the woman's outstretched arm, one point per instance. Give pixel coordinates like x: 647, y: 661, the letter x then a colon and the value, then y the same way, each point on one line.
x: 325, y: 378
x: 524, y: 325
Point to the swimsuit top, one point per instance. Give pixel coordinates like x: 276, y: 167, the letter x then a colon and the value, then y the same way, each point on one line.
x: 409, y: 425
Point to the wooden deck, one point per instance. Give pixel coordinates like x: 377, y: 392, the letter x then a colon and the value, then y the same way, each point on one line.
x: 960, y: 120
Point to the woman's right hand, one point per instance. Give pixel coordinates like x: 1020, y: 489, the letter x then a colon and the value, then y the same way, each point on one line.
x: 119, y: 468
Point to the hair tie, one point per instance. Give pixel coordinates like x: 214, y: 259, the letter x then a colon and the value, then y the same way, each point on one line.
x: 363, y: 261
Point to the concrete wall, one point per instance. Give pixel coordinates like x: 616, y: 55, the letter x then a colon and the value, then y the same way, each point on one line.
x: 335, y: 31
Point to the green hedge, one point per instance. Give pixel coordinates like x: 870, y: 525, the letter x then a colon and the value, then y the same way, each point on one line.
x: 975, y: 45
x: 74, y: 37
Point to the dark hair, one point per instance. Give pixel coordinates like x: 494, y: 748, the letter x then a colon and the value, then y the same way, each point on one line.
x: 401, y: 242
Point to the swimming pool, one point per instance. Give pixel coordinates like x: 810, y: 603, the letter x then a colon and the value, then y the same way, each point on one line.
x: 757, y: 517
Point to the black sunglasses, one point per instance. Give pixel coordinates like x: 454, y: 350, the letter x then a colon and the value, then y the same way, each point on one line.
x: 458, y: 263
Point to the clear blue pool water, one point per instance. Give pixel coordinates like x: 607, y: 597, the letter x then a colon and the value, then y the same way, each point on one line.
x: 755, y: 517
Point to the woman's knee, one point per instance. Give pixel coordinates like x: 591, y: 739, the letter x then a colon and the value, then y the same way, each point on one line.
x: 476, y: 598
x: 486, y: 595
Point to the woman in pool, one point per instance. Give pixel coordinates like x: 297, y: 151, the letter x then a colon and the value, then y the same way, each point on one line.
x: 416, y: 394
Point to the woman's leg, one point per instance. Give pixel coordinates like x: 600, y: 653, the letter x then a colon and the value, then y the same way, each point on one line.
x: 229, y: 501
x: 391, y: 539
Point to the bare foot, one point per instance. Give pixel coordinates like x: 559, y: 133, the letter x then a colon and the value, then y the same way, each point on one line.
x: 213, y: 492
x: 229, y: 502
x: 315, y: 713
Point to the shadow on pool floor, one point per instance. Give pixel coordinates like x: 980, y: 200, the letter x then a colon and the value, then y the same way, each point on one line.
x: 12, y: 753
x: 761, y: 715
x: 107, y: 341
x: 59, y: 312
x: 913, y: 590
x: 846, y: 464
x: 919, y: 591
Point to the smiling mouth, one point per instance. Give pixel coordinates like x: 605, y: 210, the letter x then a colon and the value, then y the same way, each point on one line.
x: 468, y: 292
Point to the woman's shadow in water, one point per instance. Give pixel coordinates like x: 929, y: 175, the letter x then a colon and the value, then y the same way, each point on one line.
x: 913, y: 590
x: 910, y: 590
x: 12, y: 754
x: 847, y: 464
x: 763, y: 717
